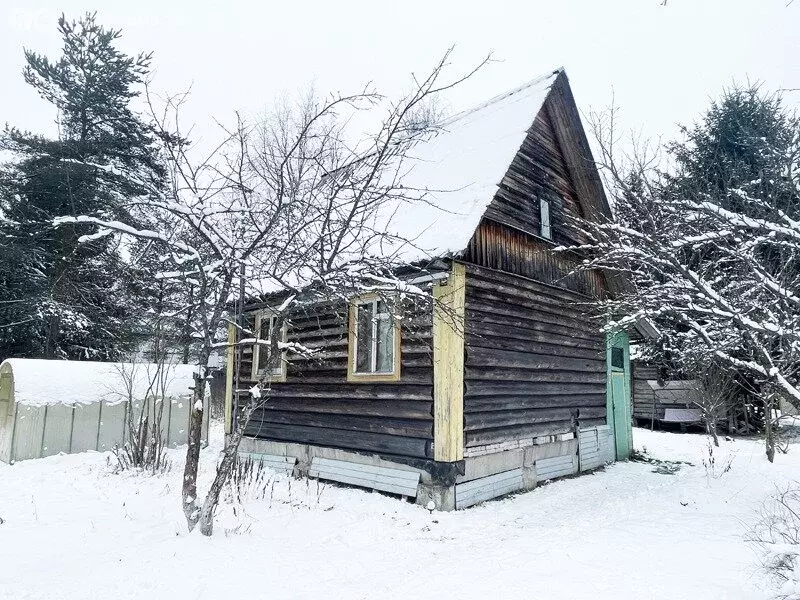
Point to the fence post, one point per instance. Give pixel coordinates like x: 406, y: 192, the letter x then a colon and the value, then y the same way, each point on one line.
x: 44, y: 428
x: 169, y: 419
x: 72, y: 427
x: 99, y: 425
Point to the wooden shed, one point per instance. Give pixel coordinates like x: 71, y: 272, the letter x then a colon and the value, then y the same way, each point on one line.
x: 50, y: 407
x: 520, y: 386
x: 656, y: 400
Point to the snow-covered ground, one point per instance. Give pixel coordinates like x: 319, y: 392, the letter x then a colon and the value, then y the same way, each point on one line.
x: 73, y: 529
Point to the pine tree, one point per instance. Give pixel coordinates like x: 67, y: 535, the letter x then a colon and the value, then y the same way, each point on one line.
x: 62, y: 296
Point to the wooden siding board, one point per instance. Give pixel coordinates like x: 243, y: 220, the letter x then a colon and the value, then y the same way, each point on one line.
x: 402, y: 427
x: 448, y: 352
x: 338, y: 438
x: 281, y: 464
x: 539, y: 170
x: 385, y: 479
x: 498, y: 246
x: 486, y: 488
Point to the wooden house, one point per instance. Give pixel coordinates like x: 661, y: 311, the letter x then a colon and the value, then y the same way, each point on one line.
x: 507, y: 381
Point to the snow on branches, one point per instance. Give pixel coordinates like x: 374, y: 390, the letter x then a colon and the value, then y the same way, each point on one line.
x: 712, y: 261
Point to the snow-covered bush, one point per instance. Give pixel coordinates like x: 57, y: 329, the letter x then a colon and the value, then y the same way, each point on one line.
x: 777, y: 535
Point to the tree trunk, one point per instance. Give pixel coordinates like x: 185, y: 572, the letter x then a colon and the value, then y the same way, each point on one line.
x: 223, y: 473
x: 51, y: 342
x: 190, y: 508
x: 769, y: 434
x: 711, y: 427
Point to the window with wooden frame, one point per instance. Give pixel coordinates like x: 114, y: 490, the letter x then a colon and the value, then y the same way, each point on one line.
x: 268, y: 359
x: 374, y: 341
x: 544, y: 212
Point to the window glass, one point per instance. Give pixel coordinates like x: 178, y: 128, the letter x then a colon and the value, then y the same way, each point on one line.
x: 544, y: 209
x: 385, y: 344
x: 617, y: 358
x: 270, y: 356
x: 264, y: 333
x: 364, y: 338
x: 375, y: 331
x: 267, y: 357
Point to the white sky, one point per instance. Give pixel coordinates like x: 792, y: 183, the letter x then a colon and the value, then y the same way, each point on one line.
x: 662, y: 62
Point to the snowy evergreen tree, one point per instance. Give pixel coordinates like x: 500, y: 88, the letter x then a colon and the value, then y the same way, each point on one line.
x: 710, y: 249
x: 741, y: 142
x: 60, y: 298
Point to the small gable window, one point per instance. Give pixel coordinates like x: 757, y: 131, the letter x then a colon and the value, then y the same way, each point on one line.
x: 544, y: 211
x: 268, y: 359
x: 374, y: 345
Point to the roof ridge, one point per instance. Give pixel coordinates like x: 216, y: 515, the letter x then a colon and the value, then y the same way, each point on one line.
x: 503, y: 96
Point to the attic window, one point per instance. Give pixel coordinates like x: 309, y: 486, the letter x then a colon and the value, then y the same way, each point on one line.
x: 544, y: 211
x: 265, y: 361
x: 374, y: 348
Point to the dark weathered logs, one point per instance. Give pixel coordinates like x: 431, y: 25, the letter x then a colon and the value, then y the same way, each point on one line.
x: 337, y: 438
x: 535, y: 360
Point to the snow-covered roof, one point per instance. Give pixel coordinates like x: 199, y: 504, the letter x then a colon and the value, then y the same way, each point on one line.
x: 39, y: 381
x: 460, y: 168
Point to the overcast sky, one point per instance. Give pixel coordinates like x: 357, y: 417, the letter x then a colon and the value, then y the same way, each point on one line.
x: 663, y: 63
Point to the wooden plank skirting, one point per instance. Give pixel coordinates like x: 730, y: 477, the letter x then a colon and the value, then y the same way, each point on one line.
x: 595, y: 447
x: 385, y: 479
x: 486, y: 488
x: 557, y: 466
x: 589, y: 449
x: 282, y: 464
x: 606, y: 444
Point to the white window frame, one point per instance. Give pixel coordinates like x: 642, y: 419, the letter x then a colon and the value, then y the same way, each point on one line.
x: 373, y: 375
x: 545, y: 227
x: 279, y: 373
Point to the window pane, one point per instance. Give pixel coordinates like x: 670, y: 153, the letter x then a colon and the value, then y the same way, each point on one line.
x: 544, y: 207
x: 617, y: 358
x: 385, y: 345
x: 263, y: 334
x: 364, y: 338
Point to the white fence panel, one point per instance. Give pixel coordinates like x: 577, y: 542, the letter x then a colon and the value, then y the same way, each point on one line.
x: 37, y: 431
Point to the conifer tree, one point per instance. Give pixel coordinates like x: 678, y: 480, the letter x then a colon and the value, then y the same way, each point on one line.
x: 60, y: 298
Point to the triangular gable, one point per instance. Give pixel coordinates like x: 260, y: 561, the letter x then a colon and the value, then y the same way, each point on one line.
x: 468, y: 167
x: 459, y: 170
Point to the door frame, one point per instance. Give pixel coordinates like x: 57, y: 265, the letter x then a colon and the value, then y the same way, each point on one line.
x: 623, y: 440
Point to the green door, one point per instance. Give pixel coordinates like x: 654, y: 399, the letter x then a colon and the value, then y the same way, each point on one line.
x: 618, y: 395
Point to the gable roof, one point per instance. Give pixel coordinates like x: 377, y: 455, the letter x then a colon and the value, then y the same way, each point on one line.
x: 458, y: 170
x: 462, y: 165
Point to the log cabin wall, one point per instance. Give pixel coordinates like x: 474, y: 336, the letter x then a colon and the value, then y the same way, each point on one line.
x: 535, y: 360
x: 317, y: 405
